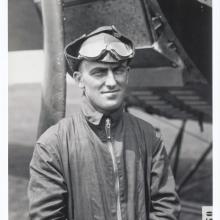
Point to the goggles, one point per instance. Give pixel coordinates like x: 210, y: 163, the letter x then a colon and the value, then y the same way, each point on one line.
x: 97, y: 47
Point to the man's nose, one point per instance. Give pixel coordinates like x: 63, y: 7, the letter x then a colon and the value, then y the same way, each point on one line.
x: 110, y: 79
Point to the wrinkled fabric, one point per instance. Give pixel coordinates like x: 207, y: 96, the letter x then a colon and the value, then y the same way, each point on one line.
x: 71, y: 171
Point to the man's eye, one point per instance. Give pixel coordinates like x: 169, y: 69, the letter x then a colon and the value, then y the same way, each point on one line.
x: 98, y: 74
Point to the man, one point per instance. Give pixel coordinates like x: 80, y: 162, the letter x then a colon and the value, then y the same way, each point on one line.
x: 101, y: 163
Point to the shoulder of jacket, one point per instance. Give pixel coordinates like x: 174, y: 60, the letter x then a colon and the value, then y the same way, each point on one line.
x: 52, y: 134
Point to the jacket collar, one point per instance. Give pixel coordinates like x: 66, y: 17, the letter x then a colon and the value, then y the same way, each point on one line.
x: 95, y: 117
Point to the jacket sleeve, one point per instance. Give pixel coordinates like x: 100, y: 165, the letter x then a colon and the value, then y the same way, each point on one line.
x: 165, y: 202
x: 47, y: 189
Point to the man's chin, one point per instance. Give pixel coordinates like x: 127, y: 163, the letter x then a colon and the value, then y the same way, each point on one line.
x: 110, y: 107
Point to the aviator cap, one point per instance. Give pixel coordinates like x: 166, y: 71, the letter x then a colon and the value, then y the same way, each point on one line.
x: 105, y: 44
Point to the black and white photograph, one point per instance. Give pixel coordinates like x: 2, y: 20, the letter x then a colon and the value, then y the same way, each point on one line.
x: 110, y: 110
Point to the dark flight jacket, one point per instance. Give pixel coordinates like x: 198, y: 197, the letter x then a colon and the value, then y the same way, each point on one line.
x: 96, y: 167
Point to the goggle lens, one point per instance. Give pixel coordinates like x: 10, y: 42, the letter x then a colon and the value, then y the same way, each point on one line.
x: 97, y: 49
x: 92, y: 50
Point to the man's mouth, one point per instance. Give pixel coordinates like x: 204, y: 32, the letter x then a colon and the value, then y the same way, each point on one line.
x: 111, y: 91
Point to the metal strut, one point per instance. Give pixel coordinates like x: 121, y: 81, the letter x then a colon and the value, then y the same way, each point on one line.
x: 177, y: 145
x: 53, y: 98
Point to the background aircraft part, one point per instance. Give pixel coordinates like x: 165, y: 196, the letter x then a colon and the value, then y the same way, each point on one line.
x: 53, y: 102
x: 193, y: 78
x: 191, y: 22
x: 193, y: 168
x: 182, y: 102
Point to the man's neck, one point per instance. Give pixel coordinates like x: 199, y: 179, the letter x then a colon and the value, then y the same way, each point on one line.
x: 94, y: 114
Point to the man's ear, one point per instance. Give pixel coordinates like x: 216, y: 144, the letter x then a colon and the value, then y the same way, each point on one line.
x: 78, y: 77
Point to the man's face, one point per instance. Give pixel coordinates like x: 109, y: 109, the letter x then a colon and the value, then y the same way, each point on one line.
x: 104, y: 84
